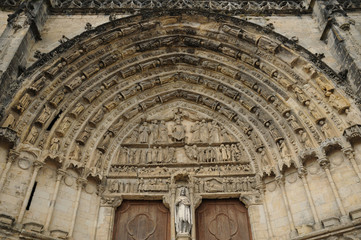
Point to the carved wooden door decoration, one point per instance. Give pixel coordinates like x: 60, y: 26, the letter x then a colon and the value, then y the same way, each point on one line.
x: 142, y: 220
x: 222, y: 220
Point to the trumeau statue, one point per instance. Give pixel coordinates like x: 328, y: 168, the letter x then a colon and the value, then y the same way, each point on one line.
x: 183, y: 216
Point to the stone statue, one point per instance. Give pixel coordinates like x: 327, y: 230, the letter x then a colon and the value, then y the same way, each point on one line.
x: 54, y: 145
x: 204, y: 131
x: 195, y: 132
x: 179, y: 131
x: 215, y: 133
x: 183, y: 216
x: 162, y: 132
x: 144, y: 133
x: 154, y: 131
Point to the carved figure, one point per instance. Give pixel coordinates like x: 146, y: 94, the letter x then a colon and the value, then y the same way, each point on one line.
x: 144, y: 133
x: 301, y: 97
x: 215, y: 133
x: 195, y: 132
x: 73, y: 84
x: 54, y: 145
x: 325, y: 128
x: 92, y: 94
x: 183, y: 216
x: 315, y: 112
x: 178, y: 132
x: 44, y: 116
x: 98, y: 116
x: 23, y: 103
x: 204, y: 131
x: 191, y: 152
x: 103, y: 145
x: 162, y: 132
x: 304, y: 139
x: 224, y: 135
x: 154, y: 132
x: 325, y: 86
x: 294, y: 123
x: 76, y: 153
x: 64, y: 126
x: 9, y: 122
x: 33, y: 134
x: 338, y: 102
x: 84, y: 136
x: 38, y: 84
x: 59, y: 96
x: 79, y: 108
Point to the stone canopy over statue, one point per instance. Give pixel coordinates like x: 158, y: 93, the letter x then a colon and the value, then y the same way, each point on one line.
x: 183, y: 216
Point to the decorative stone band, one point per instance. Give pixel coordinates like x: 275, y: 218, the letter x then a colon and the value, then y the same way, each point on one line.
x: 230, y: 6
x: 8, y: 135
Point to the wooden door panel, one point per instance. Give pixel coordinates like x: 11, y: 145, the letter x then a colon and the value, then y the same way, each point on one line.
x: 222, y: 220
x: 141, y: 220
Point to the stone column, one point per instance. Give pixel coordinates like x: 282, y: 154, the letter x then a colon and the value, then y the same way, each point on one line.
x: 266, y: 213
x: 37, y: 166
x: 99, y: 191
x: 59, y: 177
x: 281, y: 183
x: 80, y: 185
x: 196, y: 200
x: 13, y: 155
x: 105, y: 223
x: 350, y: 154
x: 303, y: 176
x: 173, y: 189
x: 325, y: 164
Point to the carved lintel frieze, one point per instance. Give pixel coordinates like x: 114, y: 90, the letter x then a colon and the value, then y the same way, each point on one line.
x: 8, y: 135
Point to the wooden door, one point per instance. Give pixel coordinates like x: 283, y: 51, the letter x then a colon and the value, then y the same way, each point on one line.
x: 142, y: 220
x: 222, y: 220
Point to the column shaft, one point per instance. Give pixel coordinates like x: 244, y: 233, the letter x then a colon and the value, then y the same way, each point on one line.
x: 75, y: 209
x: 59, y: 177
x: 37, y: 167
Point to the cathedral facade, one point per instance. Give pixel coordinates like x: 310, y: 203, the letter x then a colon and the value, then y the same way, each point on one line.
x: 180, y: 119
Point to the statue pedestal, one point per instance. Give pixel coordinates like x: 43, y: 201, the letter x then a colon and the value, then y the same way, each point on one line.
x: 183, y: 237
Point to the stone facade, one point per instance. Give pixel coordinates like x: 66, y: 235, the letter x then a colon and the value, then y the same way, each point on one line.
x: 257, y: 101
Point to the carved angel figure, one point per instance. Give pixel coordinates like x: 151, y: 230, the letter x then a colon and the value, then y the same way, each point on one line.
x: 183, y: 216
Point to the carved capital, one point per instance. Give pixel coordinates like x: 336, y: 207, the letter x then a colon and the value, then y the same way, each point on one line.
x: 81, y: 182
x: 60, y: 174
x: 324, y: 163
x: 302, y: 172
x: 197, y: 200
x: 349, y: 153
x: 38, y: 165
x: 167, y: 200
x: 113, y: 202
x: 251, y: 199
x: 280, y: 180
x: 8, y: 135
x: 352, y: 132
x: 13, y: 155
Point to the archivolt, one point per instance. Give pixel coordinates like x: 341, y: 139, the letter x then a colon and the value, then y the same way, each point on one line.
x: 257, y: 81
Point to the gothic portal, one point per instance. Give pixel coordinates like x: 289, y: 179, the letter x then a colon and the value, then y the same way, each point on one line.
x: 179, y: 124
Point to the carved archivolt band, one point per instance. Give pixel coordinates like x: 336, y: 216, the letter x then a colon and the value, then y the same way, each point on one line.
x: 94, y: 90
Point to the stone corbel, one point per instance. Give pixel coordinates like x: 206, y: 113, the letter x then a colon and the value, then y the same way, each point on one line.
x: 113, y: 202
x: 250, y: 199
x: 8, y: 135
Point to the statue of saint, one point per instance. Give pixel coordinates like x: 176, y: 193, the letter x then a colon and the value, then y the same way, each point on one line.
x: 183, y: 217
